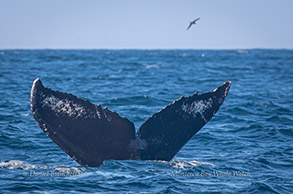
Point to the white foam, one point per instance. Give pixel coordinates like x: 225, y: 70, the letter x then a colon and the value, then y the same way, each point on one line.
x: 152, y: 67
x: 189, y: 164
x: 242, y: 51
x: 17, y: 164
x: 112, y: 174
x: 25, y: 114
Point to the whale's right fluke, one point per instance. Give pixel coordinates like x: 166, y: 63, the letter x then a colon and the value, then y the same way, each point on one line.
x: 91, y: 134
x: 167, y: 131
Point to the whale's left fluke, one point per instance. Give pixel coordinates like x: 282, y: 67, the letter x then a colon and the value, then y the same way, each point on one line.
x: 91, y: 134
x: 88, y: 133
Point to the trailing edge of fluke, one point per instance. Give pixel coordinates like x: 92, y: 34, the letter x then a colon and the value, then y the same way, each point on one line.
x: 90, y: 133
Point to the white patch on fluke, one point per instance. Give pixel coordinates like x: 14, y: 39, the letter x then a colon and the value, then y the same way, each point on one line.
x: 105, y: 115
x: 197, y: 107
x: 63, y: 106
x: 98, y: 114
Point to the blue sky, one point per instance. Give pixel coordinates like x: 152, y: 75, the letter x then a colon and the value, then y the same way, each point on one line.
x: 149, y: 24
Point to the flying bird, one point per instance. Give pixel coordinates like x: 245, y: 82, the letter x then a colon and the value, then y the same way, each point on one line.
x: 193, y: 22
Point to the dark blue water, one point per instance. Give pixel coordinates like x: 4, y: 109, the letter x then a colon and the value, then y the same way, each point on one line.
x: 246, y: 147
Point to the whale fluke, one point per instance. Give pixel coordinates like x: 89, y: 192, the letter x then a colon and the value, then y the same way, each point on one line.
x: 90, y: 133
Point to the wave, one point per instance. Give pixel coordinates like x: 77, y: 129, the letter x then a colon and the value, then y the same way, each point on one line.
x: 17, y: 164
x: 25, y: 114
x: 189, y: 164
x: 242, y: 51
x: 152, y: 66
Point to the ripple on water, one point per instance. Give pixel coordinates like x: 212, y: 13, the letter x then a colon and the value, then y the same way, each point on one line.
x: 252, y: 131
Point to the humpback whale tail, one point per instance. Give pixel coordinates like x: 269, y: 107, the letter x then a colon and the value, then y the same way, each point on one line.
x: 90, y: 133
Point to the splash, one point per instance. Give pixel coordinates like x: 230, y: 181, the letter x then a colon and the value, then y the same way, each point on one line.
x: 17, y: 164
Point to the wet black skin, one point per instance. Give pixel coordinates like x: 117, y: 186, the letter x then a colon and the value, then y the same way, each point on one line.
x: 91, y: 134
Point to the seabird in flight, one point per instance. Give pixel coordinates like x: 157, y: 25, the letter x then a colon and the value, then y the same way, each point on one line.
x: 193, y: 22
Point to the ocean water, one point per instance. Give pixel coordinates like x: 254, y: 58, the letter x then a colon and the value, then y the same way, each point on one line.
x: 246, y: 147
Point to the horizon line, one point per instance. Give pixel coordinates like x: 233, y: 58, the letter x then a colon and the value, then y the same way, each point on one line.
x: 252, y: 48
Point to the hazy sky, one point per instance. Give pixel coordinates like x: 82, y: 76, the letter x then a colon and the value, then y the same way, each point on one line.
x: 148, y: 24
